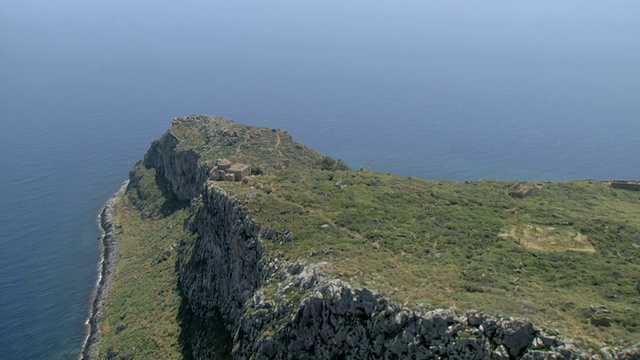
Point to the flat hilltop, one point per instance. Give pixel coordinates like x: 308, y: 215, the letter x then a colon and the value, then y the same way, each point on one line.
x: 564, y: 255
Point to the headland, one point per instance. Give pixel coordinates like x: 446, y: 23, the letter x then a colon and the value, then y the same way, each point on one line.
x: 237, y: 242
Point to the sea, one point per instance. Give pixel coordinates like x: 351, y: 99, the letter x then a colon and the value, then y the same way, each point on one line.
x: 447, y: 90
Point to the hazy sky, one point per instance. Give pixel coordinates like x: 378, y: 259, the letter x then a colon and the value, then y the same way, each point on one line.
x: 535, y: 65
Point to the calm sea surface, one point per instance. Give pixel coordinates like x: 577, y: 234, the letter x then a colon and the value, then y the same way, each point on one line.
x: 544, y: 90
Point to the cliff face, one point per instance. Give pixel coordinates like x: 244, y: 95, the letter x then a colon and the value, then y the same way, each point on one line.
x: 179, y: 167
x: 223, y: 268
x: 277, y: 310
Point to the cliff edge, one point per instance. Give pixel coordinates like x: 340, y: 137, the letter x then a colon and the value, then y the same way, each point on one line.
x: 258, y: 247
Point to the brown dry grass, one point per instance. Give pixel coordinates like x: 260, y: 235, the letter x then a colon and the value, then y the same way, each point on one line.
x: 548, y: 238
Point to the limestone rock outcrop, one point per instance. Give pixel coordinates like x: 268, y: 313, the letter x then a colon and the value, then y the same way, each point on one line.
x: 334, y: 320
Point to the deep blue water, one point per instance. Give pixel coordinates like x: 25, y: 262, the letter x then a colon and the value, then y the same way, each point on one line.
x: 544, y: 90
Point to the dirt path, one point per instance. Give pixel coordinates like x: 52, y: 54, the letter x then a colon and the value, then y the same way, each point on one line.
x: 238, y: 147
x: 278, y: 144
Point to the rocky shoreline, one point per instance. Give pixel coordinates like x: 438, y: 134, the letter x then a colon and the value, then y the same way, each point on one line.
x: 109, y: 243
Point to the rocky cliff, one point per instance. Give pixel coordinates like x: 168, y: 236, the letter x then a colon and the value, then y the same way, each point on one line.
x: 335, y: 320
x: 223, y: 275
x: 223, y: 268
x: 180, y: 167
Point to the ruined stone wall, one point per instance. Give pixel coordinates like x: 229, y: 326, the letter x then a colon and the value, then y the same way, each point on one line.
x: 625, y: 185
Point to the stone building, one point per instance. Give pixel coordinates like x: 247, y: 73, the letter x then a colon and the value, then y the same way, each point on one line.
x: 223, y: 164
x: 224, y: 170
x: 239, y: 171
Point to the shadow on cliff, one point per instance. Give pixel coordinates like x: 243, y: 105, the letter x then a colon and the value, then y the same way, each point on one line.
x: 171, y: 202
x: 151, y: 193
x: 203, y: 337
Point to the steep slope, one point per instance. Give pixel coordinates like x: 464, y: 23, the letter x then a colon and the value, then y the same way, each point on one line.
x: 303, y: 258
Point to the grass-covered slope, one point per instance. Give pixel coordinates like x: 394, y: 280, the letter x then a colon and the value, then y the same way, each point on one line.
x: 141, y: 318
x: 563, y: 254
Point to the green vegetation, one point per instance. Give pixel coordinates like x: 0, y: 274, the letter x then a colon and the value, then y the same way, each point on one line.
x: 548, y: 256
x: 141, y: 317
x: 442, y: 243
